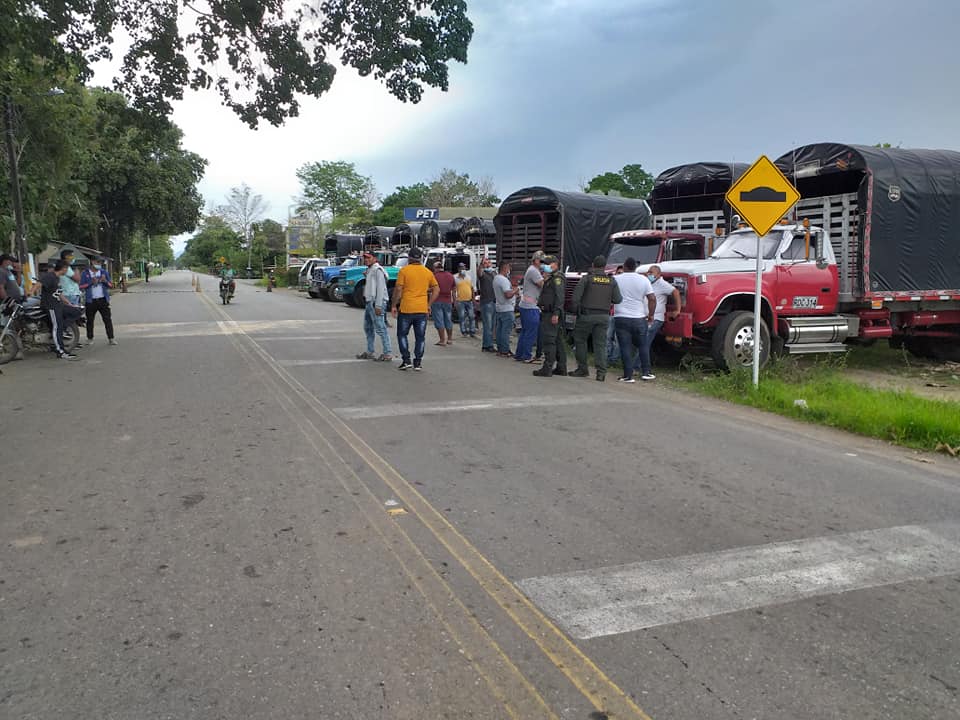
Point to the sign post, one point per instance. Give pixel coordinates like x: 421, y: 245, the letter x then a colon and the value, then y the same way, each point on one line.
x: 761, y: 196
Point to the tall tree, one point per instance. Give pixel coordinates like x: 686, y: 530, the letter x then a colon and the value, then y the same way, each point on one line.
x: 631, y: 182
x: 216, y: 239
x: 258, y: 55
x: 336, y: 194
x: 452, y: 189
x: 242, y: 209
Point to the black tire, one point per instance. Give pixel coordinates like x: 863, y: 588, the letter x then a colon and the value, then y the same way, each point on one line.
x: 930, y: 348
x: 333, y: 293
x: 71, y: 336
x: 355, y: 299
x: 313, y: 293
x: 9, y: 347
x: 730, y: 347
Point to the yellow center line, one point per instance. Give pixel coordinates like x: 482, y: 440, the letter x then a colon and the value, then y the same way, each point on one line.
x: 602, y: 692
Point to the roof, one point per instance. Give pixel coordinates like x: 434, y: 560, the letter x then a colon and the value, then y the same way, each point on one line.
x: 694, y: 187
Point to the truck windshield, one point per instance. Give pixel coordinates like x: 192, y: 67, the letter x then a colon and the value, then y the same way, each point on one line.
x: 643, y: 254
x: 744, y: 245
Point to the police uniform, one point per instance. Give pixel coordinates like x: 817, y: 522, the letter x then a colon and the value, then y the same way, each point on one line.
x: 552, y: 335
x: 592, y: 298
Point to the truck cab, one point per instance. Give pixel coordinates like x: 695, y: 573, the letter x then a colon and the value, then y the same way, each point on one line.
x: 799, y: 297
x: 353, y: 278
x: 326, y: 282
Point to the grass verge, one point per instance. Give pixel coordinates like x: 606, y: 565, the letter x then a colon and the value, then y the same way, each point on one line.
x: 820, y: 394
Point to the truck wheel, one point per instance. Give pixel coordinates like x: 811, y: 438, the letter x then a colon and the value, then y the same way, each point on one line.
x: 329, y: 297
x: 356, y: 298
x: 732, y: 345
x: 933, y: 348
x: 313, y: 293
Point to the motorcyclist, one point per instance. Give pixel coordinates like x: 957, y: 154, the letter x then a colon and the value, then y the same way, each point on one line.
x: 228, y: 273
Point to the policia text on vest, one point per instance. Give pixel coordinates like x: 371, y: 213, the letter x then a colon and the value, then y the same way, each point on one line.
x: 592, y: 299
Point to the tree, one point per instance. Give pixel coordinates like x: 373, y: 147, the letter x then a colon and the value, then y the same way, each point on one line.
x: 259, y: 55
x: 336, y: 193
x: 390, y: 213
x: 216, y: 239
x: 452, y: 189
x: 242, y: 209
x: 270, y: 234
x: 631, y: 182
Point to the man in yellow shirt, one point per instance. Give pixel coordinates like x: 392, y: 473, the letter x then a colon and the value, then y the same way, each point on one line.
x: 414, y: 293
x: 465, y: 292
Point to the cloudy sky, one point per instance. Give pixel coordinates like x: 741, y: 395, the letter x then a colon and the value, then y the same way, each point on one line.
x: 557, y: 91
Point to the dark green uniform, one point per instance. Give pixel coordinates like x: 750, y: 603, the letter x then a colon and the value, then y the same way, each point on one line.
x: 592, y: 298
x: 552, y: 335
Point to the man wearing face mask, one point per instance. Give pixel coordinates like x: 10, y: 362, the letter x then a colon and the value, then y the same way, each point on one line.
x: 95, y: 283
x: 488, y: 302
x: 663, y: 290
x: 551, y: 320
x: 68, y: 282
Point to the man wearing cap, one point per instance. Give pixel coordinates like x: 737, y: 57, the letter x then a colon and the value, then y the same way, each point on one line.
x: 95, y: 283
x: 414, y: 293
x: 529, y: 311
x: 551, y: 320
x: 592, y: 298
x: 375, y: 297
x: 468, y: 320
x: 442, y: 307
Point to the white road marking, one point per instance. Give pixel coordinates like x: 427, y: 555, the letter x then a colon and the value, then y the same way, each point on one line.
x: 620, y: 599
x: 345, y: 361
x: 379, y: 411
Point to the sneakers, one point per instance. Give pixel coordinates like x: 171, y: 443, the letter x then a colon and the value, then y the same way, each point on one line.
x: 89, y: 342
x: 384, y: 357
x: 112, y: 341
x: 417, y: 367
x: 648, y: 376
x: 626, y: 380
x: 366, y: 356
x: 560, y: 373
x: 404, y: 365
x: 68, y: 356
x: 601, y: 378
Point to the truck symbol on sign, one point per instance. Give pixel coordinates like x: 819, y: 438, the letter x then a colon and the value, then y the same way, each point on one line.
x: 763, y: 194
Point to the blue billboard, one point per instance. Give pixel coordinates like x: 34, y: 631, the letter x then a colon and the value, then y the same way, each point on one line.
x: 420, y: 214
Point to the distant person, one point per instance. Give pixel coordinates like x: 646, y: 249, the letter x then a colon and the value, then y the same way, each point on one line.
x: 529, y: 311
x: 488, y: 303
x: 551, y: 320
x: 465, y: 292
x: 96, y: 283
x: 146, y: 272
x: 592, y: 298
x: 663, y: 290
x: 505, y: 293
x: 376, y: 298
x: 415, y: 291
x: 442, y: 308
x: 633, y: 315
x: 53, y: 302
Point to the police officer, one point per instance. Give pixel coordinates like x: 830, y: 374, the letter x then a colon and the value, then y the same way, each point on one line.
x: 551, y: 320
x: 592, y: 298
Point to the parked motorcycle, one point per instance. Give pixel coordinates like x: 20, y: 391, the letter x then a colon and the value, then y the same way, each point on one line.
x: 27, y: 327
x: 226, y: 291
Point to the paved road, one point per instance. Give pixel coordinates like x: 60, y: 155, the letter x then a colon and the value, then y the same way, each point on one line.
x: 226, y: 516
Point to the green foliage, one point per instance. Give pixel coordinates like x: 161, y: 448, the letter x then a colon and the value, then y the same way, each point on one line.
x: 336, y: 194
x: 631, y: 182
x: 216, y: 239
x: 832, y: 400
x: 452, y: 189
x: 390, y: 213
x: 258, y: 55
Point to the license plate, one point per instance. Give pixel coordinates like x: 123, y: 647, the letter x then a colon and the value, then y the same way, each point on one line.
x: 805, y: 301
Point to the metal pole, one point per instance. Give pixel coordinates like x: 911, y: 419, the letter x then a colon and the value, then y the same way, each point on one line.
x: 756, y: 316
x: 15, y: 198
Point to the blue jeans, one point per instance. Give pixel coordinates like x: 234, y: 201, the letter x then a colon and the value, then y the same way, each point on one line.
x: 632, y: 336
x: 488, y: 311
x: 529, y: 329
x: 442, y: 313
x: 504, y: 328
x: 468, y: 321
x: 652, y: 332
x: 418, y: 321
x: 613, y: 345
x: 374, y: 325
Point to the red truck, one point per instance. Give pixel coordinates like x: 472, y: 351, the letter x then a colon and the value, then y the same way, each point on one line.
x: 873, y: 251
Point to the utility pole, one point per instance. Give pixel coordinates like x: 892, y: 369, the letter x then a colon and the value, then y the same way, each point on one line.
x: 15, y: 198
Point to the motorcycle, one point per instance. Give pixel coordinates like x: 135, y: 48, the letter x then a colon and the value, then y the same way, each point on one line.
x: 226, y: 290
x: 27, y: 327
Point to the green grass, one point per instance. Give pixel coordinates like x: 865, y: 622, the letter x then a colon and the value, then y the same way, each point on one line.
x: 899, y: 417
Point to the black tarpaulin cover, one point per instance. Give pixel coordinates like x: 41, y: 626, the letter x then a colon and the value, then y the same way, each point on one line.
x: 693, y: 187
x: 587, y: 220
x: 909, y: 204
x: 342, y: 244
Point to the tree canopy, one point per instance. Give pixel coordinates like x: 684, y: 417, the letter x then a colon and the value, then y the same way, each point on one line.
x: 336, y: 194
x: 260, y: 56
x: 452, y: 189
x: 632, y: 182
x: 391, y: 208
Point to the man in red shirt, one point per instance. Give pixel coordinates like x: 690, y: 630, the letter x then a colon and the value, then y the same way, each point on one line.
x: 442, y: 308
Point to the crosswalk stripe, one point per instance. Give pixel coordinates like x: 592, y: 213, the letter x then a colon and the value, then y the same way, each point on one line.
x: 620, y: 599
x: 511, y: 403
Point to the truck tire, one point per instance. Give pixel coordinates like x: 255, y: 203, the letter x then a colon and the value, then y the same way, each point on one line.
x: 933, y: 348
x: 355, y: 299
x: 333, y: 293
x: 731, y: 346
x: 313, y: 293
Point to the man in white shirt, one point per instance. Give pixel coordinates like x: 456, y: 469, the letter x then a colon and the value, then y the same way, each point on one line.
x: 631, y: 317
x: 663, y: 290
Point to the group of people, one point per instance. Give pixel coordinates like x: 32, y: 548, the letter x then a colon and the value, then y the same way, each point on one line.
x: 632, y: 304
x: 66, y: 293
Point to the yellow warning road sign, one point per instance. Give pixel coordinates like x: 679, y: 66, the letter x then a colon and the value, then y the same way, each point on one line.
x: 762, y: 195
